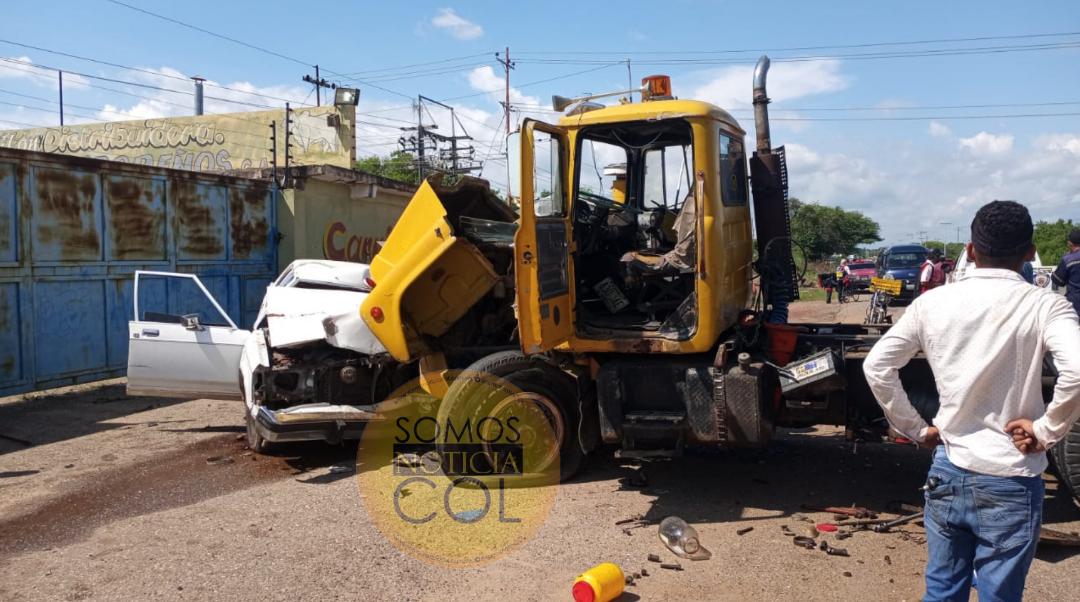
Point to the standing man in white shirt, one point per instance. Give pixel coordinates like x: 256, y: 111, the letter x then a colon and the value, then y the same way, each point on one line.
x: 984, y: 337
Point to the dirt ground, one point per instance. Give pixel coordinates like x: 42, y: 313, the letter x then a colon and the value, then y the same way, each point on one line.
x: 103, y: 496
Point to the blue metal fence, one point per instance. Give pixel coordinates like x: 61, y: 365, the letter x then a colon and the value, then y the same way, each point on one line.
x: 74, y: 230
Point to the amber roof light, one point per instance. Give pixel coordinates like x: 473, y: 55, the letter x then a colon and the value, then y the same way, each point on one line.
x: 656, y: 87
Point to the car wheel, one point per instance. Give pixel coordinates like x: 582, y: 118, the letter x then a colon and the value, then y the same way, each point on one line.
x: 553, y: 393
x: 1066, y: 457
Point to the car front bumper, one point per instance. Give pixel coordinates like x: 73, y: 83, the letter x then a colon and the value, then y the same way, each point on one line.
x: 313, y: 422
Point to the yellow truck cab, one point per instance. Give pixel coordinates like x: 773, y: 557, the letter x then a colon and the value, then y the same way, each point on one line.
x: 619, y: 302
x: 604, y: 262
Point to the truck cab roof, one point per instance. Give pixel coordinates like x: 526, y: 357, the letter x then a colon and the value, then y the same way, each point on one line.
x: 652, y: 110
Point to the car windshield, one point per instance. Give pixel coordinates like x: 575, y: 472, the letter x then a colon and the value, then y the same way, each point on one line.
x: 905, y: 260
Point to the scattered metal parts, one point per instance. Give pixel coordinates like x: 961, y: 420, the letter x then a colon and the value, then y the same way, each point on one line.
x: 744, y: 531
x: 903, y: 520
x: 1059, y: 538
x: 626, y: 531
x: 787, y: 531
x: 629, y: 580
x: 804, y: 542
x: 341, y: 468
x: 644, y: 572
x: 671, y: 566
x: 632, y: 519
x: 219, y: 460
x: 653, y: 558
x: 843, y: 535
x: 833, y: 551
x: 854, y: 511
x: 847, y: 573
x: 802, y: 517
x: 810, y: 531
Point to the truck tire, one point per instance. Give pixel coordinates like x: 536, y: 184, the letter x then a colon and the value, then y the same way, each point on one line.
x: 555, y: 390
x: 1066, y: 457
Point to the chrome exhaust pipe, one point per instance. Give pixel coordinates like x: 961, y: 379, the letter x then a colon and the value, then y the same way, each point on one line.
x: 761, y: 106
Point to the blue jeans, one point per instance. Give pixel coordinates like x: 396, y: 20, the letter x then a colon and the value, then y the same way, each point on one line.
x: 981, y: 523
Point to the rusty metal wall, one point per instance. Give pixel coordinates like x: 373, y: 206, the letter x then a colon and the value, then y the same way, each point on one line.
x: 74, y: 230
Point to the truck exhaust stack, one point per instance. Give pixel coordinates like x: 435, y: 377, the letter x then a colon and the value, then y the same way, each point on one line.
x: 768, y: 181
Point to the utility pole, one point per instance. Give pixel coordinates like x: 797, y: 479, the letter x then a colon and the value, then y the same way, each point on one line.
x: 629, y: 79
x: 319, y: 83
x: 420, y: 136
x: 61, y: 75
x: 507, y: 66
x: 288, y: 145
x: 273, y: 151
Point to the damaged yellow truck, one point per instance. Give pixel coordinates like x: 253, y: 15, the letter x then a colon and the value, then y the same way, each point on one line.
x: 631, y: 297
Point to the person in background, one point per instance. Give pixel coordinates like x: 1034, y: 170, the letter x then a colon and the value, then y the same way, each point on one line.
x: 1067, y: 273
x: 984, y: 337
x: 843, y: 280
x: 932, y: 275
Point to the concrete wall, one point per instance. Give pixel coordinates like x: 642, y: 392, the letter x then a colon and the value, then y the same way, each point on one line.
x: 335, y: 220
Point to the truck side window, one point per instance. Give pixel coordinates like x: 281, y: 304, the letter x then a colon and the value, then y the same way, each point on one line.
x: 732, y: 171
x: 547, y: 175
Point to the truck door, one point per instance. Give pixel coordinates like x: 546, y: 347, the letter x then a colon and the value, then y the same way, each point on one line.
x: 181, y: 343
x: 542, y: 242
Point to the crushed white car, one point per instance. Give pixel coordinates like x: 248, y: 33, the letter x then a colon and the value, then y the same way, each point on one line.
x: 309, y: 369
x: 1041, y: 273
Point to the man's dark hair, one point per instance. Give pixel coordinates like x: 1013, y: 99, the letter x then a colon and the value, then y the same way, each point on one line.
x: 1074, y: 236
x: 1001, y: 233
x: 934, y: 254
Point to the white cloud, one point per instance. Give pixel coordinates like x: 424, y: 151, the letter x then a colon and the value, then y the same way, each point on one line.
x: 484, y: 79
x: 20, y: 68
x: 939, y: 130
x: 731, y: 87
x: 456, y: 25
x: 915, y: 189
x: 985, y: 144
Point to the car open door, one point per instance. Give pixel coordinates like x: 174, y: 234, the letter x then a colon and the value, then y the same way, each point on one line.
x: 542, y: 243
x: 182, y: 344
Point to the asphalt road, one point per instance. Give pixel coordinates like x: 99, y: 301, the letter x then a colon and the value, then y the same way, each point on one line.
x: 108, y: 497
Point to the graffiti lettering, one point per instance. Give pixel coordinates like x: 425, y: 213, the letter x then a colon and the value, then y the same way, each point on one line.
x: 340, y: 246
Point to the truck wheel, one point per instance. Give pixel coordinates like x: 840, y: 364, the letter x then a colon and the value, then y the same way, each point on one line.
x: 551, y: 389
x: 1066, y: 456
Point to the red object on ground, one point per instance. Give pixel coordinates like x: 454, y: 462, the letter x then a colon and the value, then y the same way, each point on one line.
x: 583, y: 592
x: 826, y: 527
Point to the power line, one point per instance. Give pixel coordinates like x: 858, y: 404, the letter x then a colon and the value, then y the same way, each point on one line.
x: 826, y: 57
x: 927, y: 117
x: 139, y: 70
x: 802, y: 48
x: 373, y: 72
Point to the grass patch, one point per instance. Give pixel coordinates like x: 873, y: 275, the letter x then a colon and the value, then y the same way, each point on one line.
x: 811, y: 294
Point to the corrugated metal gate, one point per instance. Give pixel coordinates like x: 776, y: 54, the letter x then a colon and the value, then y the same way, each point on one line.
x: 74, y: 230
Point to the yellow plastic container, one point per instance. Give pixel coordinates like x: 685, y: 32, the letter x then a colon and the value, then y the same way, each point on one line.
x: 602, y: 583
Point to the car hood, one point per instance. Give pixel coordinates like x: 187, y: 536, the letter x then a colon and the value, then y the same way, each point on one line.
x: 903, y: 273
x: 300, y: 316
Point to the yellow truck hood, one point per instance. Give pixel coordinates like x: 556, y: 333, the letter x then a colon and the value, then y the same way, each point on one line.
x: 426, y: 276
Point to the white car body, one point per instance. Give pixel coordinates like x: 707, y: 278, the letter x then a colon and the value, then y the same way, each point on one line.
x: 964, y: 263
x: 312, y: 302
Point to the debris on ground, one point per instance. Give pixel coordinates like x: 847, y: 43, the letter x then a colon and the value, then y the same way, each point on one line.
x: 903, y: 520
x: 888, y: 560
x: 854, y: 511
x: 633, y: 519
x: 653, y: 558
x: 810, y: 531
x: 602, y: 583
x: 637, y: 479
x: 671, y: 566
x: 1059, y: 538
x: 341, y: 468
x: 682, y: 539
x: 826, y: 527
x: 744, y: 531
x: 804, y: 542
x: 219, y: 460
x: 645, y: 571
x: 787, y: 531
x: 847, y: 573
x: 832, y: 551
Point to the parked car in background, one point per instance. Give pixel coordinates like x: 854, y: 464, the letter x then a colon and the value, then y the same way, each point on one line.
x: 902, y: 262
x: 862, y: 270
x: 1042, y: 273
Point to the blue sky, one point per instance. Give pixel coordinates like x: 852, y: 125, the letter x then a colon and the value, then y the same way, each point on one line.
x: 909, y: 175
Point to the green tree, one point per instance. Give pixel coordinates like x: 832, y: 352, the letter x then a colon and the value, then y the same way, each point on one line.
x: 1050, y: 239
x: 950, y: 249
x: 824, y: 231
x: 400, y: 166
